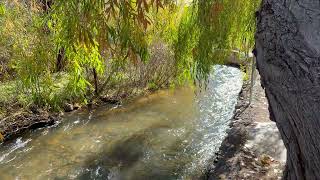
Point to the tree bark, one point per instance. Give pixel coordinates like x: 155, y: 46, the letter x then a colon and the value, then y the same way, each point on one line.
x: 46, y: 5
x: 288, y: 59
x: 60, y: 63
x: 95, y: 78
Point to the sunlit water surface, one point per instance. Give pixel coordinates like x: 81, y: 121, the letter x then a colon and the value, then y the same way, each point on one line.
x: 168, y: 135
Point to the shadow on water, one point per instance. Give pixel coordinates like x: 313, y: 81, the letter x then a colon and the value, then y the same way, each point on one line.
x: 126, y: 156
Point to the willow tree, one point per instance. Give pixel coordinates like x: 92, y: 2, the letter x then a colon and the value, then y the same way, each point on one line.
x: 288, y: 59
x: 88, y: 29
x: 94, y: 31
x: 211, y: 30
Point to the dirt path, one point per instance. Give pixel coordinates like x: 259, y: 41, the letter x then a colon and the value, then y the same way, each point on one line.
x: 253, y: 148
x: 263, y: 136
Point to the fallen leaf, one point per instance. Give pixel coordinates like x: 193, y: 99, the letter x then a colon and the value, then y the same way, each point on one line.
x: 1, y: 137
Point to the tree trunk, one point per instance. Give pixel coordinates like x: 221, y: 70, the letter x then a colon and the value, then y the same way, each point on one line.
x: 95, y: 78
x: 60, y: 63
x: 46, y: 5
x: 288, y: 59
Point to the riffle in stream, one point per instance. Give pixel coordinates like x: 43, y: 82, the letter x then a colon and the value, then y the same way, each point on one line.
x: 170, y: 134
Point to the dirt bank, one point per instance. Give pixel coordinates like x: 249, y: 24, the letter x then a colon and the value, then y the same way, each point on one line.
x: 18, y: 120
x: 253, y: 148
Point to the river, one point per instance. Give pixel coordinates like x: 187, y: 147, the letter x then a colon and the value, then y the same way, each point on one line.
x: 170, y: 134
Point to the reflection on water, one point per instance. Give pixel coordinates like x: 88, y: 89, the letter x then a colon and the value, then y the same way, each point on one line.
x: 167, y: 135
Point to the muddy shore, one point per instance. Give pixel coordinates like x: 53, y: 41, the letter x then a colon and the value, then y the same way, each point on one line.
x: 253, y: 148
x: 20, y: 121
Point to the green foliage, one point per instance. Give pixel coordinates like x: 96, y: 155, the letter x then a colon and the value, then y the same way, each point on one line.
x: 117, y: 44
x: 165, y: 24
x: 2, y: 9
x: 244, y: 69
x: 30, y: 53
x: 82, y: 59
x: 88, y: 29
x: 211, y: 29
x: 7, y: 92
x: 33, y: 55
x: 184, y: 46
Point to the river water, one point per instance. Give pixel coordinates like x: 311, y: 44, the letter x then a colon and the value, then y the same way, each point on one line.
x: 170, y: 134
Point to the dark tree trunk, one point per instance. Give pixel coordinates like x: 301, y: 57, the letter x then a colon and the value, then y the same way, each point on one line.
x: 288, y: 59
x: 95, y: 78
x: 60, y: 63
x: 46, y: 5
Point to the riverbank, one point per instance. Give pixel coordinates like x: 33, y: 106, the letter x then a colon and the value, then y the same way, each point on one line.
x: 19, y: 120
x: 253, y: 148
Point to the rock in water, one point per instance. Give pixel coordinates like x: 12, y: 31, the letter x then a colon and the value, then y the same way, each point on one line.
x: 109, y: 100
x: 76, y: 106
x: 68, y: 107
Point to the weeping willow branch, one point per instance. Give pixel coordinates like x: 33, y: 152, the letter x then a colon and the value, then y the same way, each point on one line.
x: 211, y: 25
x: 97, y: 34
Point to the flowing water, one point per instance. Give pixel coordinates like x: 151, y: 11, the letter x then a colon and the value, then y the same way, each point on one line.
x: 170, y: 134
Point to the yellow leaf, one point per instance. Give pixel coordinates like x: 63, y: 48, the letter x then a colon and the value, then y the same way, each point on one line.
x: 1, y: 138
